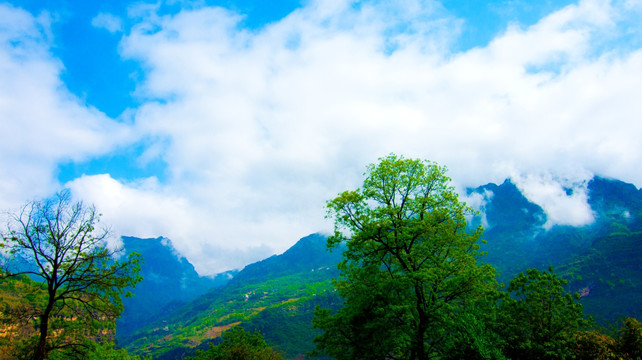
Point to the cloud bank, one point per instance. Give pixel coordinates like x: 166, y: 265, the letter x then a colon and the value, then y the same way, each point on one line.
x: 259, y: 127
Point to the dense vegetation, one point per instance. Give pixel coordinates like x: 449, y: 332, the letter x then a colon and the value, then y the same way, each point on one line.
x: 238, y: 344
x: 409, y: 276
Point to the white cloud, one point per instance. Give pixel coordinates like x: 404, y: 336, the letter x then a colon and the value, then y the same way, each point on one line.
x: 42, y: 123
x: 478, y: 201
x: 564, y: 202
x: 108, y: 22
x: 260, y: 127
x: 147, y: 209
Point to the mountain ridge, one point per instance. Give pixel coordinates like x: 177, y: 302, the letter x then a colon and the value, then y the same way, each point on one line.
x: 169, y: 279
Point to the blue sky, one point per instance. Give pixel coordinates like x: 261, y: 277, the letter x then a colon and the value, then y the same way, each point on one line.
x: 225, y: 125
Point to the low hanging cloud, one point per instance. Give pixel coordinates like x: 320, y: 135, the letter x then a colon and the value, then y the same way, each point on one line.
x: 146, y: 209
x: 259, y: 127
x: 564, y: 202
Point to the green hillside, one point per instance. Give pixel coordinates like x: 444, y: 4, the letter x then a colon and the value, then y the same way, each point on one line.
x: 609, y: 276
x: 169, y: 281
x: 286, y: 287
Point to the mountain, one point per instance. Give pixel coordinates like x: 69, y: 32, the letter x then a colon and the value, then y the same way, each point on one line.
x: 609, y: 276
x: 168, y: 281
x: 278, y: 295
x: 602, y: 260
x: 307, y: 254
x: 609, y: 272
x: 286, y: 287
x: 516, y: 238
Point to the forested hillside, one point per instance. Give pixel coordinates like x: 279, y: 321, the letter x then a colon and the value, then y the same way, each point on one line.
x: 278, y: 295
x: 602, y: 260
x: 516, y: 236
x: 169, y: 281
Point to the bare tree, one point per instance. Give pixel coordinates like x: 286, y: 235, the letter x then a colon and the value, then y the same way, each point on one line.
x: 57, y: 241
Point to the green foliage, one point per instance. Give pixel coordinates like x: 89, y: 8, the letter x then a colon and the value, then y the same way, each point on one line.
x: 410, y: 265
x: 288, y: 326
x: 18, y: 298
x: 594, y: 345
x: 107, y: 351
x: 538, y: 318
x: 239, y: 345
x: 56, y: 241
x: 610, y: 271
x: 472, y: 333
x: 630, y: 339
x: 624, y: 345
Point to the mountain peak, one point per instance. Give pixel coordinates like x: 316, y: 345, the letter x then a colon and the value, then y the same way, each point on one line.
x: 308, y: 254
x: 506, y: 206
x: 167, y: 277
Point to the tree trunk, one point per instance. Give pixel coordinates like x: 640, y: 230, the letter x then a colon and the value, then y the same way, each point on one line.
x: 418, y: 351
x: 419, y: 346
x: 41, y: 349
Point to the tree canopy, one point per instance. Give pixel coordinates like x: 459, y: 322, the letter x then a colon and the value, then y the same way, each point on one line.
x: 539, y: 319
x: 410, y: 268
x: 239, y: 344
x: 79, y: 281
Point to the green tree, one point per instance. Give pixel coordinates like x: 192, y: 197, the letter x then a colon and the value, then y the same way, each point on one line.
x: 409, y: 270
x: 623, y: 344
x: 539, y: 319
x: 629, y: 343
x: 107, y: 351
x: 239, y: 344
x: 56, y: 241
x: 594, y: 345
